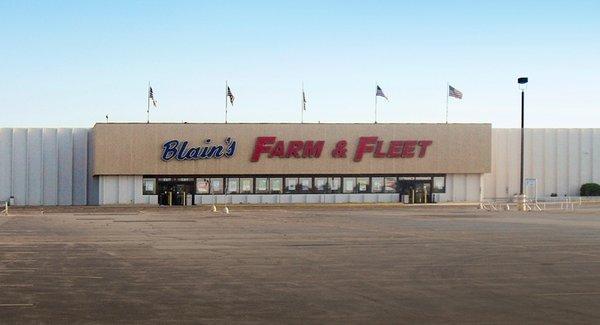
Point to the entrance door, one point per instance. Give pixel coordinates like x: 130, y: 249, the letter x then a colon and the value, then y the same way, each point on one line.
x: 175, y: 193
x: 415, y: 191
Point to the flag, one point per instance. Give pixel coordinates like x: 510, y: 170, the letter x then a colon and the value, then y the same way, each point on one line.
x: 151, y: 96
x: 453, y: 92
x: 380, y: 93
x: 230, y: 95
x: 303, y: 101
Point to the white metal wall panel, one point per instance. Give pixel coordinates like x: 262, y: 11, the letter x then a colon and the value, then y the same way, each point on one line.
x: 43, y: 166
x: 561, y: 160
x: 5, y: 164
x: 550, y: 164
x: 19, y: 166
x: 50, y: 167
x: 126, y: 195
x: 596, y: 156
x: 574, y: 161
x: 585, y: 163
x: 109, y: 189
x: 537, y: 164
x: 65, y: 166
x: 80, y: 169
x: 33, y: 159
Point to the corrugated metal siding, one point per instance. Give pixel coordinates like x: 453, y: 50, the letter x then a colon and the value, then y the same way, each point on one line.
x: 44, y: 166
x: 561, y: 160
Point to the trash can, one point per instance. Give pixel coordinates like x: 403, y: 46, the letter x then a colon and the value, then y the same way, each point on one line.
x: 11, y: 201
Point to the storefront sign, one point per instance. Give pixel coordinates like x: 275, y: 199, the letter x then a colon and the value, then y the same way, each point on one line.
x: 270, y: 147
x: 294, y: 149
x: 179, y: 150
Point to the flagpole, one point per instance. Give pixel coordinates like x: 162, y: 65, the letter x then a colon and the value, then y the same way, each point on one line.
x: 302, y: 105
x: 447, y: 99
x: 148, y: 104
x: 226, y: 89
x: 376, y: 103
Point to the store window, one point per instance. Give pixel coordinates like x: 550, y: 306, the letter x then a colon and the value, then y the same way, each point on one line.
x: 349, y: 184
x: 276, y: 185
x: 439, y: 184
x: 305, y: 184
x: 202, y: 185
x: 377, y: 184
x: 233, y: 185
x: 291, y: 185
x: 262, y: 185
x: 390, y: 184
x: 321, y: 185
x: 362, y: 185
x: 149, y: 186
x: 216, y: 185
x: 246, y: 185
x: 335, y: 185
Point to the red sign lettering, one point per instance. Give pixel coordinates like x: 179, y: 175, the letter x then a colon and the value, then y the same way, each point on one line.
x: 295, y: 148
x: 312, y: 149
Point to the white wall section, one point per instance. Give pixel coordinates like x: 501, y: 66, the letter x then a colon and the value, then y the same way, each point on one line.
x: 44, y: 166
x: 560, y: 160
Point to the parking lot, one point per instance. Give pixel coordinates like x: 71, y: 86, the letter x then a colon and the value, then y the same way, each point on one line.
x: 317, y: 265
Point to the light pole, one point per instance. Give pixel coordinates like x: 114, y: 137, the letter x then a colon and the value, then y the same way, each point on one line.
x: 522, y: 85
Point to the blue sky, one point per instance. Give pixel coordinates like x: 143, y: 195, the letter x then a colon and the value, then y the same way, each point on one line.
x: 69, y: 63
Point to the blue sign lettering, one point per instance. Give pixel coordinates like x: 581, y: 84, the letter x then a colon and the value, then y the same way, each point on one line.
x: 178, y: 150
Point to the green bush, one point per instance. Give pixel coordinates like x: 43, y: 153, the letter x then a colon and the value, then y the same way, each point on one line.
x: 590, y: 189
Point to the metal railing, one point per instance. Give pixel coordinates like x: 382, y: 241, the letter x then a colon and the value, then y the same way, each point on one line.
x: 536, y: 204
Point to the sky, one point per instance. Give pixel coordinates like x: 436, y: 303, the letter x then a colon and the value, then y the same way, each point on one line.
x: 69, y: 63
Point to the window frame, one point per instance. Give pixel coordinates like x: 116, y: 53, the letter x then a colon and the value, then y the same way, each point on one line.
x: 381, y: 188
x: 267, y: 189
x: 228, y: 188
x: 344, y: 188
x: 154, y: 185
x: 206, y: 180
x: 281, y: 184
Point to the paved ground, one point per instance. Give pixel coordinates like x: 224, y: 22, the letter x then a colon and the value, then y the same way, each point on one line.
x: 313, y: 266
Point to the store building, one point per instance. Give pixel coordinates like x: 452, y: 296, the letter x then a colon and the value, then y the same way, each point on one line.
x: 184, y: 164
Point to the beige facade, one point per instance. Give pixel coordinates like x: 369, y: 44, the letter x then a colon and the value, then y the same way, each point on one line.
x: 136, y: 149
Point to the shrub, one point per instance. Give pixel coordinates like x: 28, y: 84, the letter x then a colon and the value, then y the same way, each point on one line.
x: 590, y: 189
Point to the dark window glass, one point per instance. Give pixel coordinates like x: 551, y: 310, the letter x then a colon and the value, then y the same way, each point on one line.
x: 202, y: 185
x: 362, y: 185
x: 439, y: 184
x: 349, y: 185
x: 390, y: 184
x: 321, y: 185
x: 246, y: 185
x: 291, y: 185
x: 377, y: 184
x: 216, y: 185
x: 262, y: 185
x: 233, y: 185
x: 276, y: 185
x: 149, y: 186
x: 305, y: 184
x: 335, y: 185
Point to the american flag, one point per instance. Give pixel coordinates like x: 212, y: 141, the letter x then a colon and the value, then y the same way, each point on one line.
x: 380, y: 93
x: 303, y: 101
x: 453, y: 92
x: 230, y: 95
x: 151, y: 96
